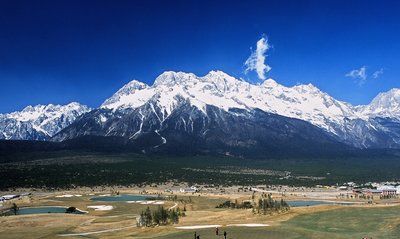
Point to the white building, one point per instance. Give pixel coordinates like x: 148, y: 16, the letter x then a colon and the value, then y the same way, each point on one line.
x: 8, y: 197
x: 389, y: 189
x: 188, y: 190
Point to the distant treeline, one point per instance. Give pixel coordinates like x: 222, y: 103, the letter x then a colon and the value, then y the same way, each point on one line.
x: 69, y: 169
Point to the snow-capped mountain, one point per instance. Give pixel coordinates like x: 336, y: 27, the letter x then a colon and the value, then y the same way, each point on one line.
x: 137, y: 109
x: 39, y: 122
x: 305, y: 102
x: 218, y: 112
x: 218, y: 89
x: 386, y: 104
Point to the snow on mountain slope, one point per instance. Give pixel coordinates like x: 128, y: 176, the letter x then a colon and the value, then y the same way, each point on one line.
x: 386, y: 104
x: 183, y: 101
x: 305, y: 102
x: 134, y: 94
x: 178, y: 99
x: 39, y: 122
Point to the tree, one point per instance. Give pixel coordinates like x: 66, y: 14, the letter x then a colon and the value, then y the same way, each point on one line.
x: 14, y: 208
x: 160, y: 216
x: 157, y: 217
x: 174, y: 216
x: 70, y: 210
x: 164, y: 215
x: 268, y: 204
x: 148, y: 219
x: 140, y: 222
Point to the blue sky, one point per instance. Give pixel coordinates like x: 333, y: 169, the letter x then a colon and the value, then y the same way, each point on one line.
x: 63, y: 51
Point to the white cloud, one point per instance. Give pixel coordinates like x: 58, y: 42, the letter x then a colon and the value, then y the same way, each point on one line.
x: 360, y: 75
x: 377, y: 73
x: 256, y: 60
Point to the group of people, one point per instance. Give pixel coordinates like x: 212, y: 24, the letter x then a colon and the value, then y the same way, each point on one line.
x: 216, y: 233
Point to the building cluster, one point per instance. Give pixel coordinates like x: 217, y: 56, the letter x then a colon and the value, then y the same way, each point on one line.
x: 371, y: 189
x: 189, y: 190
x: 378, y: 192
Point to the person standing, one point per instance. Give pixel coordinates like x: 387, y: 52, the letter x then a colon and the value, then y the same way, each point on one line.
x: 224, y: 234
x: 195, y: 235
x: 216, y: 231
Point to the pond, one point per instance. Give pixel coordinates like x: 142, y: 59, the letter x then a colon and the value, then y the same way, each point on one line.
x: 305, y: 203
x: 40, y: 210
x: 121, y: 198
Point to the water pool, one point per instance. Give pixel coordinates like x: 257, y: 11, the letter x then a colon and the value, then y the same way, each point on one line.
x: 40, y: 210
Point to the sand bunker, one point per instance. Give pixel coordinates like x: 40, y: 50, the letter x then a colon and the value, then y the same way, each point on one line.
x: 147, y: 202
x: 101, y: 207
x: 248, y: 225
x: 198, y: 227
x: 68, y: 196
x: 230, y: 225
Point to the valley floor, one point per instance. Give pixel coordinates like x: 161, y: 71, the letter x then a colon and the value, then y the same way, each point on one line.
x: 374, y: 220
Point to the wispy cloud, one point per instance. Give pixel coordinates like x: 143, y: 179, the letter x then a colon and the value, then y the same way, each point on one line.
x: 360, y: 75
x: 376, y: 74
x: 256, y: 60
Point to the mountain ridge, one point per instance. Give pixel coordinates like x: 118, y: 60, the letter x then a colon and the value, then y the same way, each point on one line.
x: 306, y: 102
x: 39, y: 122
x: 137, y: 111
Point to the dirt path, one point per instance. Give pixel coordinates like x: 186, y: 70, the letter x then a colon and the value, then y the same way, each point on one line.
x: 176, y: 204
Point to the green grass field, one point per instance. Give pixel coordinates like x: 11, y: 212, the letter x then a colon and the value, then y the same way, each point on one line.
x: 334, y: 224
x: 372, y: 221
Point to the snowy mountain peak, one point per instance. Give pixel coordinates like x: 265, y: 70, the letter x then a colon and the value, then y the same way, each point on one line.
x: 134, y: 85
x: 219, y: 89
x: 305, y: 102
x: 183, y: 99
x: 310, y: 88
x: 131, y: 87
x: 389, y: 98
x: 40, y: 121
x: 386, y: 104
x: 171, y: 78
x: 128, y: 89
x: 218, y: 74
x: 33, y: 112
x: 270, y: 83
x: 51, y: 106
x: 75, y: 105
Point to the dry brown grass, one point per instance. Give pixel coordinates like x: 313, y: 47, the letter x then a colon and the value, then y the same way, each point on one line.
x: 201, y: 211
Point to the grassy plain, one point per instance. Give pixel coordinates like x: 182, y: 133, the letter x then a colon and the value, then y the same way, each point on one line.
x: 324, y: 221
x: 81, y: 173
